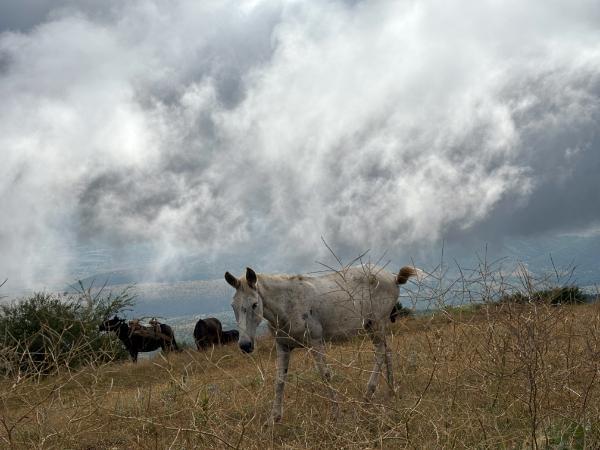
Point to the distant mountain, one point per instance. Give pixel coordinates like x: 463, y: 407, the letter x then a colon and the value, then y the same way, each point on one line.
x: 130, y: 275
x: 581, y: 253
x: 173, y: 299
x: 194, y: 286
x: 136, y: 263
x: 173, y: 294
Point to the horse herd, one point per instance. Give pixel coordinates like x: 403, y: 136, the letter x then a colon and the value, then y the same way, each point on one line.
x: 137, y: 338
x: 301, y: 311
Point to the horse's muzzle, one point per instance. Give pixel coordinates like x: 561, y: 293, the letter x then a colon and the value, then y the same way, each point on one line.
x: 246, y: 346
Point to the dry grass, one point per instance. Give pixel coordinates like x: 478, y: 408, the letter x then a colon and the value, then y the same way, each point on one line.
x: 510, y: 376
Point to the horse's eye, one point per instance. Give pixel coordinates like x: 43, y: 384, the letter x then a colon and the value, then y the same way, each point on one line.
x: 254, y: 305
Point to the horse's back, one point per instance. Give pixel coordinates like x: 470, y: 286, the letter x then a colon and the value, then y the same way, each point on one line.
x: 167, y: 330
x: 229, y: 336
x: 214, y: 325
x: 364, y: 297
x: 207, y: 331
x: 363, y: 291
x: 338, y: 304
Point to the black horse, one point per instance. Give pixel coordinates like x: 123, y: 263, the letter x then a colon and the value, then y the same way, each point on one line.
x: 229, y: 336
x: 137, y: 342
x: 207, y: 332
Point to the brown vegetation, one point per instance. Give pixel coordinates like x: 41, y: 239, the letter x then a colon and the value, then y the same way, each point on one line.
x: 508, y: 376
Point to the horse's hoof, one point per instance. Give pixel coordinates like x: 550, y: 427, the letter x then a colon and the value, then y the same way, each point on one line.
x: 335, y: 412
x: 368, y: 396
x: 272, y: 421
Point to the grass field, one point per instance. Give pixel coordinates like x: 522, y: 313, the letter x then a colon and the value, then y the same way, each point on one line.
x: 510, y: 376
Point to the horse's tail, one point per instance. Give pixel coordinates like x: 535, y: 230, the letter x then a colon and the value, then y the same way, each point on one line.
x: 405, y: 273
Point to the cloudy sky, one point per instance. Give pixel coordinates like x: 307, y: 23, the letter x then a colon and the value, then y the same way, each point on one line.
x: 244, y: 131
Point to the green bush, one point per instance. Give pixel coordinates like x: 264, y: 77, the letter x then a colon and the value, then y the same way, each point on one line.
x: 46, y: 332
x: 554, y: 296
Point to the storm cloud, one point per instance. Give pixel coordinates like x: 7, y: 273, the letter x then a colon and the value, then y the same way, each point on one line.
x: 252, y: 129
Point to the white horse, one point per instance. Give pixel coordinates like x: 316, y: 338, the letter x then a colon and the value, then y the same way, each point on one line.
x: 305, y: 311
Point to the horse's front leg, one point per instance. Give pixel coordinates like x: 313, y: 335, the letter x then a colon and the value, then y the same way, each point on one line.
x: 283, y: 362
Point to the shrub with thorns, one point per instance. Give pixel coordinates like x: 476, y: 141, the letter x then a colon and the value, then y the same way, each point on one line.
x: 46, y: 332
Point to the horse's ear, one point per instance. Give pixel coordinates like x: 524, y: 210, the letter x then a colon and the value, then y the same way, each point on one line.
x: 233, y: 281
x: 251, y: 277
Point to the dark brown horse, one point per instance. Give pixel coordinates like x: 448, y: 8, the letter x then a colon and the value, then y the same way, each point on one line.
x: 140, y: 342
x: 207, y: 332
x: 230, y: 336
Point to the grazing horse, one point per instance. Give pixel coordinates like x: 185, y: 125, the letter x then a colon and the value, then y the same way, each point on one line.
x: 207, y: 332
x: 305, y: 311
x: 229, y: 336
x: 136, y: 342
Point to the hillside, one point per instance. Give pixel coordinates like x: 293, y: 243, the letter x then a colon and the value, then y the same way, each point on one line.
x: 510, y: 376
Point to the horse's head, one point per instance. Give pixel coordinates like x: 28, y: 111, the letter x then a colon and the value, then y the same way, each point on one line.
x: 247, y: 306
x: 111, y: 324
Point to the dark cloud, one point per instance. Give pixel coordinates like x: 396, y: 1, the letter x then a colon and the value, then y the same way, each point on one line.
x: 23, y: 15
x: 560, y: 147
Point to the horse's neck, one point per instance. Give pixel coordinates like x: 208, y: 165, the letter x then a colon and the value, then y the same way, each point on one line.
x: 274, y: 308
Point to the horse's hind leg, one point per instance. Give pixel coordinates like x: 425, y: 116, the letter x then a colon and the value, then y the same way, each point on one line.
x: 168, y: 345
x: 318, y: 352
x: 374, y: 378
x: 389, y: 368
x: 383, y: 355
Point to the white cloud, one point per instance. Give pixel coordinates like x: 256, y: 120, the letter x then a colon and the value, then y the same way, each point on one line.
x: 255, y: 128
